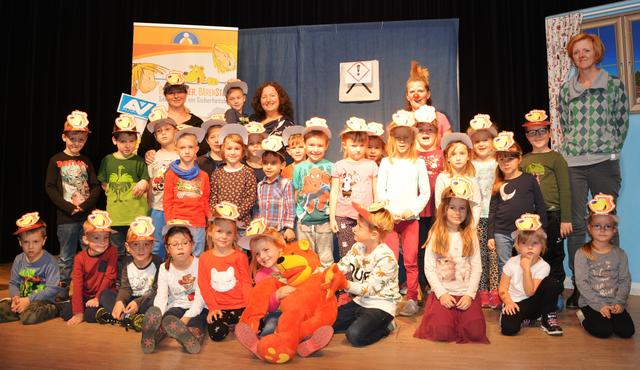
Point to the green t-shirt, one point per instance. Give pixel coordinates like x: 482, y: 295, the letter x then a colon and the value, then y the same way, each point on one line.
x: 312, y: 182
x: 552, y: 173
x: 122, y: 175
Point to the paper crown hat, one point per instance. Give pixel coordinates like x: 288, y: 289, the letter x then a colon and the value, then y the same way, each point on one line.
x: 504, y: 142
x: 125, y: 123
x: 602, y: 204
x: 290, y: 131
x: 256, y: 227
x: 425, y: 113
x: 98, y: 221
x: 178, y: 223
x: 141, y: 229
x: 402, y: 118
x: 536, y: 117
x: 317, y: 124
x: 175, y: 78
x: 481, y: 122
x: 254, y: 128
x: 77, y: 121
x: 354, y: 124
x: 460, y: 187
x: 28, y: 221
x: 227, y: 211
x: 375, y: 129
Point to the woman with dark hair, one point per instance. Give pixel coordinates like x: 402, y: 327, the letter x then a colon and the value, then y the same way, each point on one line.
x: 594, y: 116
x: 272, y: 108
x: 175, y: 92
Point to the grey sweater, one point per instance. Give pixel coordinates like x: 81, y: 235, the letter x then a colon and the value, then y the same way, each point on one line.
x: 603, y: 281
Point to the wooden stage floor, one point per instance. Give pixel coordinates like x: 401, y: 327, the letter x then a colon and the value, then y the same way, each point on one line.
x: 54, y: 345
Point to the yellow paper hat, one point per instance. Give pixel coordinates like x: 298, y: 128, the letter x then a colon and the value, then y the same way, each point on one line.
x: 77, y: 121
x: 28, y: 221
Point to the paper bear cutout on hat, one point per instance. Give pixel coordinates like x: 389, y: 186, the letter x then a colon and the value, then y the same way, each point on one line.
x: 254, y: 128
x: 403, y: 118
x: 158, y: 112
x: 480, y: 121
x: 125, y: 122
x: 376, y: 206
x: 503, y: 141
x: 142, y: 226
x: 256, y: 226
x: 316, y: 122
x: 536, y: 115
x: 78, y: 120
x: 354, y: 124
x: 178, y: 222
x: 375, y: 129
x: 272, y: 143
x: 99, y: 219
x: 460, y: 188
x: 227, y: 210
x: 602, y: 204
x: 175, y: 78
x: 28, y: 219
x: 528, y: 222
x: 217, y: 117
x: 425, y: 113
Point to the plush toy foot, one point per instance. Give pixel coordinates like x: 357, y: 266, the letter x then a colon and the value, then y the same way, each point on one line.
x: 318, y: 340
x: 247, y: 338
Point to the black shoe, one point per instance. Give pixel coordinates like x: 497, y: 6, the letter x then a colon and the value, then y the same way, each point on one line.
x: 550, y: 324
x: 104, y: 317
x: 572, y: 301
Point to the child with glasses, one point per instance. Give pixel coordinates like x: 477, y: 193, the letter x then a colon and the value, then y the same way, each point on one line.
x: 550, y: 169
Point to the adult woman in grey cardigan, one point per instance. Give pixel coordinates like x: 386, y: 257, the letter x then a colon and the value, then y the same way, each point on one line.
x: 594, y: 116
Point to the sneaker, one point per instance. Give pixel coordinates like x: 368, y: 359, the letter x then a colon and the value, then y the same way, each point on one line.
x: 410, y: 308
x: 526, y: 323
x: 494, y: 299
x: 320, y: 338
x: 484, y: 298
x: 393, y: 326
x: 580, y: 315
x: 572, y: 301
x: 550, y: 324
x: 560, y: 303
x: 178, y: 330
x: 403, y: 288
x: 150, y: 326
x: 104, y: 317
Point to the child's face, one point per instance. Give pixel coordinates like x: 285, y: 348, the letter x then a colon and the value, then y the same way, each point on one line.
x: 482, y: 144
x: 165, y: 135
x: 427, y: 136
x: 315, y: 147
x: 456, y: 212
x: 140, y: 250
x: 417, y: 94
x: 538, y: 136
x: 32, y: 243
x: 187, y: 147
x: 297, y: 152
x: 354, y: 150
x: 223, y: 234
x: 530, y: 248
x: 458, y: 156
x: 255, y: 144
x: 212, y: 139
x: 375, y: 148
x: 126, y: 143
x: 363, y: 232
x: 75, y: 141
x: 233, y: 152
x: 179, y: 247
x: 509, y: 162
x: 236, y: 99
x: 97, y: 241
x: 602, y: 228
x: 404, y: 137
x: 272, y: 167
x: 269, y: 99
x: 266, y: 253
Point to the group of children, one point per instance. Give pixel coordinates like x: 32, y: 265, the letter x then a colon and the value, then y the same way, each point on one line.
x: 452, y: 208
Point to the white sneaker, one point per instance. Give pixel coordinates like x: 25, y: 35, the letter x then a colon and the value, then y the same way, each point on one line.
x: 410, y: 308
x: 580, y: 315
x: 393, y: 326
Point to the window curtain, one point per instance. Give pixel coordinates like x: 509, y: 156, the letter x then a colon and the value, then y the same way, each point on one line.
x: 559, y: 31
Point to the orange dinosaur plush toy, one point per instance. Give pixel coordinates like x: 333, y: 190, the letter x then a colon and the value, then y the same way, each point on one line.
x: 307, y: 313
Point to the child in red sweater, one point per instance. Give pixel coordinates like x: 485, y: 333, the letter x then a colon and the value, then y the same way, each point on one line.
x: 186, y: 188
x: 223, y: 278
x: 94, y: 270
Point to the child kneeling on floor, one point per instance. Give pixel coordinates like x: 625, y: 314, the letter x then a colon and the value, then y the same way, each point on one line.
x: 526, y: 288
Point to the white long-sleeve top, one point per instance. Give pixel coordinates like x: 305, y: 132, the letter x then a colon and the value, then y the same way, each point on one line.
x: 453, y: 274
x: 179, y: 288
x: 404, y: 184
x: 444, y: 180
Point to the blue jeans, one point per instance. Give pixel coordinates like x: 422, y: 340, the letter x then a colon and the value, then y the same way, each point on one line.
x: 504, y: 248
x: 69, y: 237
x: 198, y: 241
x: 270, y: 323
x: 157, y: 217
x: 362, y: 326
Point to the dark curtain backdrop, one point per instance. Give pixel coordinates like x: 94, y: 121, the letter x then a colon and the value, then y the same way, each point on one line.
x: 307, y: 64
x: 76, y: 54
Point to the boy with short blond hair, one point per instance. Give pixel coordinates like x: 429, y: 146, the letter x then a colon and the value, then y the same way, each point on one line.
x: 235, y: 94
x: 34, y: 276
x: 72, y: 186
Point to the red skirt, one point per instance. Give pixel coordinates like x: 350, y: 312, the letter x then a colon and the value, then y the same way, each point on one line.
x: 452, y: 325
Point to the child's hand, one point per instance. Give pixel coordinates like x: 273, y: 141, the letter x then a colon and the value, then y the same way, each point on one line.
x: 213, y: 315
x: 149, y: 156
x: 616, y: 309
x: 334, y: 225
x: 93, y: 302
x: 491, y: 244
x: 525, y: 263
x: 566, y: 228
x: 185, y: 320
x: 284, y: 291
x: 76, y: 210
x: 140, y: 188
x: 132, y: 308
x: 464, y: 302
x: 289, y: 235
x: 117, y: 310
x: 510, y: 308
x: 76, y: 319
x: 20, y: 304
x: 447, y: 301
x: 606, y: 312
